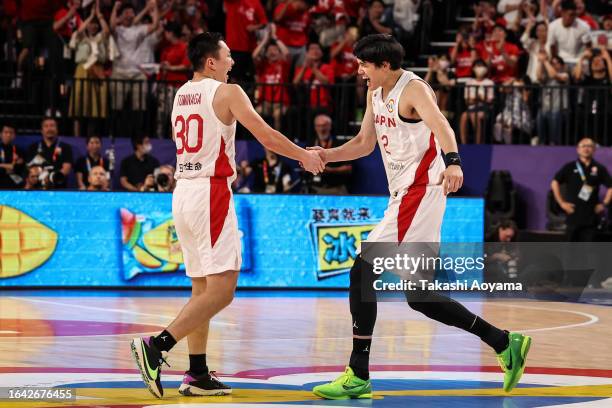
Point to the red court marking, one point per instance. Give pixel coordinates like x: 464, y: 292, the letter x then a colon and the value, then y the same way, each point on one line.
x: 60, y: 328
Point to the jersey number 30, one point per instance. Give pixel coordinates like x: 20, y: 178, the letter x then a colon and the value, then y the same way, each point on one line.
x: 182, y: 126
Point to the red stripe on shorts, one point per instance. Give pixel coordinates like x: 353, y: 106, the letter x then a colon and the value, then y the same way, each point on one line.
x: 219, y: 195
x: 412, y: 199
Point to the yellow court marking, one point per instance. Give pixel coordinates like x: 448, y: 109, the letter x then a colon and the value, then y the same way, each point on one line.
x: 129, y: 396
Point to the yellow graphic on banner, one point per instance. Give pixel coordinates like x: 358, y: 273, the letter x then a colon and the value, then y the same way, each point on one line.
x: 163, y: 243
x: 337, y: 245
x: 25, y: 243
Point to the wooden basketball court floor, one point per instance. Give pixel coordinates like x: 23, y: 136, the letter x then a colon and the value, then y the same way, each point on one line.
x: 272, y: 347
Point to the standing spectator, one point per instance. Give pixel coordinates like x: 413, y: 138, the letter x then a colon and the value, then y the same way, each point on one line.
x: 534, y: 40
x: 515, y: 123
x: 565, y: 34
x: 373, y: 22
x: 336, y: 176
x: 88, y: 98
x: 485, y: 20
x: 597, y: 95
x: 136, y: 171
x: 479, y: 93
x: 463, y: 55
x: 406, y: 18
x: 52, y: 155
x: 173, y: 69
x: 509, y: 9
x: 272, y: 65
x: 130, y: 37
x: 501, y: 56
x: 316, y: 75
x: 36, y: 18
x: 271, y: 175
x: 441, y: 80
x: 552, y: 116
x: 242, y: 19
x: 584, y: 16
x: 341, y: 53
x: 66, y: 21
x: 292, y: 22
x: 580, y: 202
x: 97, y: 179
x: 11, y: 159
x: 93, y: 158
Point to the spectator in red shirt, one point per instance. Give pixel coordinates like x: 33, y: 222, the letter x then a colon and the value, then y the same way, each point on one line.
x: 272, y: 66
x: 317, y: 75
x: 36, y: 17
x: 242, y: 19
x: 173, y: 69
x: 485, y: 20
x: 463, y: 55
x: 344, y: 62
x: 292, y: 21
x: 501, y: 56
x: 584, y: 16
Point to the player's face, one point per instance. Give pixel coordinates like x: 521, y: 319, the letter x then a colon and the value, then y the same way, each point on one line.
x: 224, y: 63
x: 372, y: 74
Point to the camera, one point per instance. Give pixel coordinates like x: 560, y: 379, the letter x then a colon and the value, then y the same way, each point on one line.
x: 50, y: 177
x: 162, y: 180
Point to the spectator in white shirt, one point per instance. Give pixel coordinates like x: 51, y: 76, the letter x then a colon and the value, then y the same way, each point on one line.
x: 534, y: 40
x: 509, y: 8
x: 565, y: 34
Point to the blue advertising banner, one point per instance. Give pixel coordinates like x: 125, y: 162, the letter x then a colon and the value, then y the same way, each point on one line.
x: 128, y: 239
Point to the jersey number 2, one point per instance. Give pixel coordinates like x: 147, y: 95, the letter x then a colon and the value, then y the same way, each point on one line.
x: 183, y: 133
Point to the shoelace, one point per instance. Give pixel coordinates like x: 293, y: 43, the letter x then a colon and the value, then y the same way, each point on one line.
x: 213, y: 377
x: 163, y: 360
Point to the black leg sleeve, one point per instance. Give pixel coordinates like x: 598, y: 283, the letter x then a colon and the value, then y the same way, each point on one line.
x: 362, y: 298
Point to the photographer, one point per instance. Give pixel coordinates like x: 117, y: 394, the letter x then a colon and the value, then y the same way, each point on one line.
x: 53, y: 156
x: 32, y: 181
x: 161, y: 181
x: 137, y: 170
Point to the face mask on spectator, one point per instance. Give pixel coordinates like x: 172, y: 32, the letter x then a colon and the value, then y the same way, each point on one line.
x: 191, y: 10
x: 148, y: 148
x: 443, y: 64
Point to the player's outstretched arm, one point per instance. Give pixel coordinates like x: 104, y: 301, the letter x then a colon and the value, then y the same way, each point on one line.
x: 421, y: 98
x: 243, y: 111
x: 359, y: 146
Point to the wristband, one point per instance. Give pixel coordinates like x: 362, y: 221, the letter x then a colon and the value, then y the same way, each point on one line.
x: 452, y: 159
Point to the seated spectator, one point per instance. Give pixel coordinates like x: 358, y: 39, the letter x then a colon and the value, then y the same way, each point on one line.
x: 552, y: 116
x: 136, y: 170
x: 597, y: 95
x: 479, y: 93
x: 97, y: 179
x: 501, y: 56
x: 582, y: 178
x: 292, y: 21
x: 502, y: 258
x: 164, y: 179
x: 91, y: 43
x: 242, y: 20
x: 243, y: 181
x: 11, y: 159
x: 534, y: 40
x: 52, y: 155
x: 515, y: 123
x: 373, y: 22
x: 272, y: 66
x: 173, y: 72
x: 336, y: 176
x: 441, y: 79
x: 270, y: 175
x: 92, y: 159
x: 463, y: 55
x: 316, y: 75
x: 33, y: 181
x: 565, y: 34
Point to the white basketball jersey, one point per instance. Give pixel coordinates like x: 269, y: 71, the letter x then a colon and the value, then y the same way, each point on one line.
x: 409, y: 150
x: 205, y: 147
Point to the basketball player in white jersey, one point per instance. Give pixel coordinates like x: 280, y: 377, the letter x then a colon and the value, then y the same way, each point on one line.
x: 204, y: 119
x: 403, y: 117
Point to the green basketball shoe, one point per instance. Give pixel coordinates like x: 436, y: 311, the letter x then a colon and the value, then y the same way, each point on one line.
x: 347, y: 386
x: 512, y: 359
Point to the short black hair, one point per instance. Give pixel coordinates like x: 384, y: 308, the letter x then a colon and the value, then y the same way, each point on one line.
x: 46, y: 118
x: 138, y: 141
x: 568, y: 5
x: 126, y: 6
x: 202, y: 46
x: 380, y: 48
x: 92, y: 137
x: 9, y: 125
x: 174, y: 28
